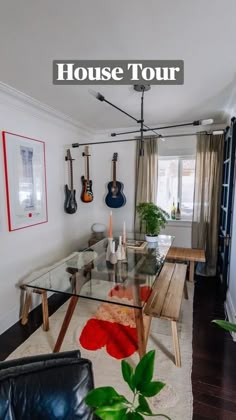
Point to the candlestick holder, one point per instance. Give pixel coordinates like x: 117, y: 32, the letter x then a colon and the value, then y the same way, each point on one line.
x: 109, y: 248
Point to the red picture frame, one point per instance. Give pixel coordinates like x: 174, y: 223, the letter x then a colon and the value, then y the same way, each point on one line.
x: 25, y: 179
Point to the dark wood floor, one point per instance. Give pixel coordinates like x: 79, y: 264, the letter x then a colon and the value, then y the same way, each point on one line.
x: 214, y: 356
x: 214, y: 352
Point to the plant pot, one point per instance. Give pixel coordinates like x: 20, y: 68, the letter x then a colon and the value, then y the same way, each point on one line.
x: 151, y: 239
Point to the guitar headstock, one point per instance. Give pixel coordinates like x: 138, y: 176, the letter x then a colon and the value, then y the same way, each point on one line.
x: 68, y: 155
x: 115, y: 157
x: 86, y: 151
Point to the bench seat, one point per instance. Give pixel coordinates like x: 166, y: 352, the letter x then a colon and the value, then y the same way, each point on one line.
x: 190, y: 255
x: 166, y: 297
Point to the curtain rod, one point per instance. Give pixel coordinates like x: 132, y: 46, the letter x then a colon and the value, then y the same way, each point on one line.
x: 161, y: 137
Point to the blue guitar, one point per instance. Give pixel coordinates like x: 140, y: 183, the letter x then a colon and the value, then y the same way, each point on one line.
x: 115, y: 197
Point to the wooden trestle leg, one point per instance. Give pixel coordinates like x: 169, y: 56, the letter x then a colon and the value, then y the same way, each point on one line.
x: 66, y: 322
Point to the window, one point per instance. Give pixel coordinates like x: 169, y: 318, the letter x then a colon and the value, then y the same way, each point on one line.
x: 176, y: 182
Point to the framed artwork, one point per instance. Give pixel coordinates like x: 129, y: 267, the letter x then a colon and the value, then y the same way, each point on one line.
x: 25, y: 175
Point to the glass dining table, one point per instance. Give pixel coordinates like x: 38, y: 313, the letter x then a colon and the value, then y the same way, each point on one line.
x: 89, y: 275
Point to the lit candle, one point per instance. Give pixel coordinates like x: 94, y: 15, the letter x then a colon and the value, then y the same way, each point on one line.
x: 110, y: 226
x: 124, y: 234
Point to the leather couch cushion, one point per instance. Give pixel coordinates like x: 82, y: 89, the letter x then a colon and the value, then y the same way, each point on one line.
x: 39, y: 358
x: 46, y: 389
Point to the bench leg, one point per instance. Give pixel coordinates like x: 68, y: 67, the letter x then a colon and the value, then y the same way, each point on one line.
x: 26, y: 307
x: 147, y: 325
x: 45, y: 311
x: 176, y: 343
x: 185, y: 290
x: 191, y: 270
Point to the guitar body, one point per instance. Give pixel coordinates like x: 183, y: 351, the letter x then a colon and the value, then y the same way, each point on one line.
x: 70, y: 205
x: 87, y: 193
x: 115, y: 197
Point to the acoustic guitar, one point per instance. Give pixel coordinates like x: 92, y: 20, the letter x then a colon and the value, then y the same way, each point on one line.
x: 115, y: 197
x: 87, y: 193
x: 70, y: 205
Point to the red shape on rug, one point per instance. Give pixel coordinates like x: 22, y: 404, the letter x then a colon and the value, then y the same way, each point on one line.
x: 120, y: 340
x: 124, y: 292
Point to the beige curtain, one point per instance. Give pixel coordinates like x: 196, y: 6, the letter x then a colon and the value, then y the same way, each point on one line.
x: 208, y: 179
x: 146, y: 174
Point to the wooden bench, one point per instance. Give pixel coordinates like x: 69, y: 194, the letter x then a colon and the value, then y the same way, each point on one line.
x: 166, y: 297
x: 187, y: 255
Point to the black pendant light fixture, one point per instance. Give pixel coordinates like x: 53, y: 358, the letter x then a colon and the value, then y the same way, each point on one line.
x: 143, y: 128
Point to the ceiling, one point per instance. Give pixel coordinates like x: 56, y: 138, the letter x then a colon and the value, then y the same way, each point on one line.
x: 202, y: 33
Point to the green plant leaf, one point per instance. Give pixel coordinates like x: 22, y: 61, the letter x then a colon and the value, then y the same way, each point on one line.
x: 226, y: 325
x: 143, y: 406
x: 144, y: 369
x: 115, y: 412
x: 133, y: 416
x: 104, y: 396
x: 127, y: 372
x: 152, y: 388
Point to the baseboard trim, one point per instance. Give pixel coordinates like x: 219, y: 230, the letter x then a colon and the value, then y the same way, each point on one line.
x: 231, y: 312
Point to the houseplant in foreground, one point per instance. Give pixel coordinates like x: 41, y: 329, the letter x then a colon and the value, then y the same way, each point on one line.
x: 108, y: 404
x: 226, y: 325
x: 152, y: 219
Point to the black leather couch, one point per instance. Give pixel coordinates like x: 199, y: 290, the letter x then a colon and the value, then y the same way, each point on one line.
x: 46, y: 387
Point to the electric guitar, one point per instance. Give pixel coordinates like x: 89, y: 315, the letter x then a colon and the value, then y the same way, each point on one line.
x: 70, y: 205
x: 115, y: 197
x: 87, y: 193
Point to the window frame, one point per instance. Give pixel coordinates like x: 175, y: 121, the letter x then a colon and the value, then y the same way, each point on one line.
x: 180, y: 159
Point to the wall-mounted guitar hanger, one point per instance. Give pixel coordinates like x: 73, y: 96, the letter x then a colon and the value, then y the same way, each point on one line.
x: 143, y: 127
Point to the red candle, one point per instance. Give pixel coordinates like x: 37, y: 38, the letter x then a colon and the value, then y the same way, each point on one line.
x: 110, y: 226
x: 124, y: 234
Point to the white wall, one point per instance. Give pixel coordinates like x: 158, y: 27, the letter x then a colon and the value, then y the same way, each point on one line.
x: 27, y: 249
x: 182, y: 232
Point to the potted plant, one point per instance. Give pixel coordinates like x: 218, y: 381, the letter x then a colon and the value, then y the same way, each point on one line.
x: 108, y: 404
x: 152, y: 219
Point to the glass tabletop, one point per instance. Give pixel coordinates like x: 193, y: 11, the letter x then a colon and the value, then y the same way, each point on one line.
x: 88, y: 274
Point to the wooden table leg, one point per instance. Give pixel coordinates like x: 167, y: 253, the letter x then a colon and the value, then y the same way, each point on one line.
x: 191, y: 270
x: 140, y: 332
x: 176, y: 343
x: 26, y: 307
x: 45, y: 310
x: 66, y: 322
x: 138, y: 314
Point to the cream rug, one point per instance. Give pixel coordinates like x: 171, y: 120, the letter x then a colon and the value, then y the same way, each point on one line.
x: 175, y: 400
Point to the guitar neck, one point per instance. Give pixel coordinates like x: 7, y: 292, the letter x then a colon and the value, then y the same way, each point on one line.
x: 87, y: 169
x: 114, y: 174
x: 71, y: 176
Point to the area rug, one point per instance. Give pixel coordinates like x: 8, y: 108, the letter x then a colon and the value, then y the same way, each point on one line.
x: 175, y: 400
x: 113, y: 327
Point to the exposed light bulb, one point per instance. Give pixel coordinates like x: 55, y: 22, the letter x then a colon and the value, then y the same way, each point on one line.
x: 215, y: 132
x: 207, y: 121
x: 97, y: 95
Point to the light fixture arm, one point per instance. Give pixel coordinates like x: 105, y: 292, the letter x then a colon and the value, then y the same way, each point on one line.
x: 143, y: 127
